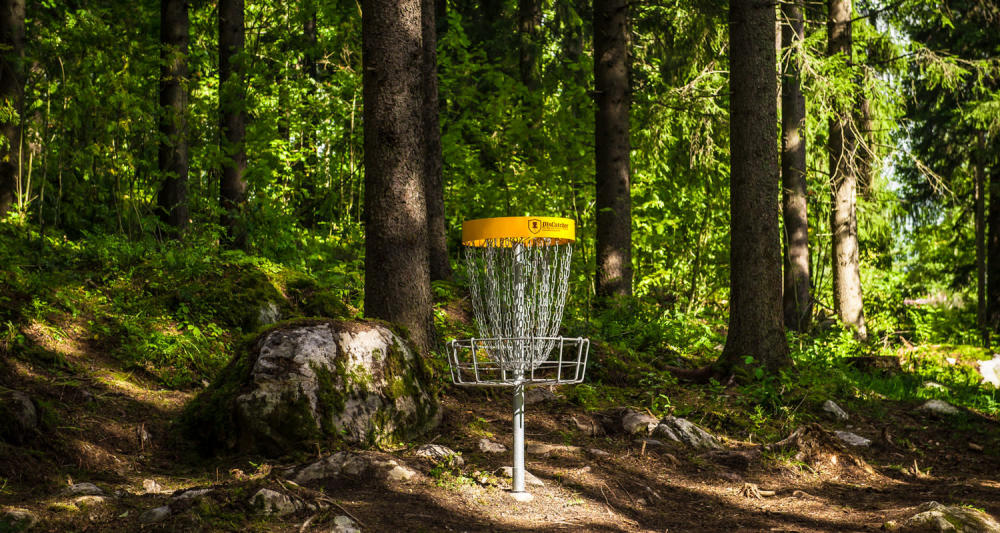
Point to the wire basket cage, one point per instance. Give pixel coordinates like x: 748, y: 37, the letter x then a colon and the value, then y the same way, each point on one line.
x: 473, y: 362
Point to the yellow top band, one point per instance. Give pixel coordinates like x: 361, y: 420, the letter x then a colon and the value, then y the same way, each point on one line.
x: 476, y: 232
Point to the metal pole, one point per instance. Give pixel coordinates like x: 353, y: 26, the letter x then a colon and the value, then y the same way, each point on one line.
x: 518, y: 473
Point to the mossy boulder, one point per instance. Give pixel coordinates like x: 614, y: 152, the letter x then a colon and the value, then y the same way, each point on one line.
x: 306, y: 381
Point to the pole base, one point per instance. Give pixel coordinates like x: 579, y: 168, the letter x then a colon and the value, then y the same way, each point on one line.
x: 521, y: 496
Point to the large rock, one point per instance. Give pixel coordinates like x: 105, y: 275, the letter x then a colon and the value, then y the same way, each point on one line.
x: 314, y: 380
x: 682, y: 430
x: 18, y: 416
x: 990, y: 370
x: 933, y: 516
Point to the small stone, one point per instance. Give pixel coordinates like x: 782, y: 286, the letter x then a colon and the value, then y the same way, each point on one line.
x: 934, y: 385
x: 151, y: 486
x: 801, y: 494
x: 83, y: 489
x: 853, y: 439
x: 975, y: 447
x: 521, y: 496
x: 664, y: 431
x: 933, y: 516
x: 156, y: 514
x: 538, y: 395
x: 587, y: 425
x: 440, y: 454
x: 90, y: 501
x: 488, y: 446
x: 598, y: 452
x: 268, y: 314
x: 540, y: 448
x: 529, y: 478
x: 641, y: 501
x: 634, y: 422
x: 835, y: 411
x: 344, y: 524
x: 331, y: 466
x: 400, y: 473
x: 690, y: 434
x: 273, y: 502
x: 192, y: 495
x: 18, y: 519
x: 939, y: 407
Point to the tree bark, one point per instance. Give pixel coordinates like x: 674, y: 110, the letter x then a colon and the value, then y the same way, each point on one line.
x: 980, y: 223
x: 232, y: 121
x: 993, y: 249
x: 437, y: 233
x: 847, y: 296
x: 11, y: 97
x: 173, y: 152
x: 755, y: 313
x: 306, y: 166
x: 529, y: 15
x: 797, y: 297
x: 397, y: 277
x: 611, y: 149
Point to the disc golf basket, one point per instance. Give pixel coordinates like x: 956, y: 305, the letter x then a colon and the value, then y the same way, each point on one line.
x: 518, y: 269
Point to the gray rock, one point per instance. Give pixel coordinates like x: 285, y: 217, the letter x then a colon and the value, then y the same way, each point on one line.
x: 16, y: 519
x: 638, y: 423
x: 151, y: 486
x: 689, y: 433
x: 587, y: 425
x: 156, y: 514
x: 529, y: 478
x: 23, y: 410
x: 192, y: 495
x: 344, y: 524
x: 83, y: 489
x: 939, y: 407
x: 19, y: 415
x: 538, y: 395
x: 353, y: 380
x: 488, y: 446
x: 835, y: 411
x: 990, y: 370
x: 439, y: 454
x: 599, y: 452
x: 650, y: 443
x: 268, y: 314
x: 400, y: 473
x: 853, y: 439
x: 90, y: 501
x: 666, y: 432
x: 934, y: 385
x: 330, y: 467
x: 272, y: 502
x: 933, y: 516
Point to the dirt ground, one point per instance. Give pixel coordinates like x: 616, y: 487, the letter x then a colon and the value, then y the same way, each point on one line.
x: 114, y: 429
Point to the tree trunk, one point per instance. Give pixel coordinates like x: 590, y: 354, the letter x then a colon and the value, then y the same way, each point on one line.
x: 980, y: 222
x: 232, y: 121
x: 397, y: 277
x: 865, y: 150
x: 847, y: 297
x: 755, y: 319
x: 11, y: 97
x: 611, y: 149
x: 437, y: 232
x: 307, y: 171
x: 993, y: 249
x: 173, y: 153
x: 529, y: 15
x: 797, y: 298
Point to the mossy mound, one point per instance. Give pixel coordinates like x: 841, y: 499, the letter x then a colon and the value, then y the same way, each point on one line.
x: 315, y: 380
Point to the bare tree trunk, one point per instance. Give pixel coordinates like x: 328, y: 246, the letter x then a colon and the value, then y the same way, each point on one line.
x: 847, y: 296
x: 797, y: 298
x: 980, y: 193
x: 307, y: 171
x: 437, y: 233
x: 11, y: 96
x: 865, y: 150
x: 611, y: 149
x: 993, y: 250
x: 755, y: 322
x: 232, y: 121
x: 397, y: 277
x: 172, y: 200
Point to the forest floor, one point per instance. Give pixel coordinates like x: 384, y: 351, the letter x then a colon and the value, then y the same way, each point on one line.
x: 114, y: 429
